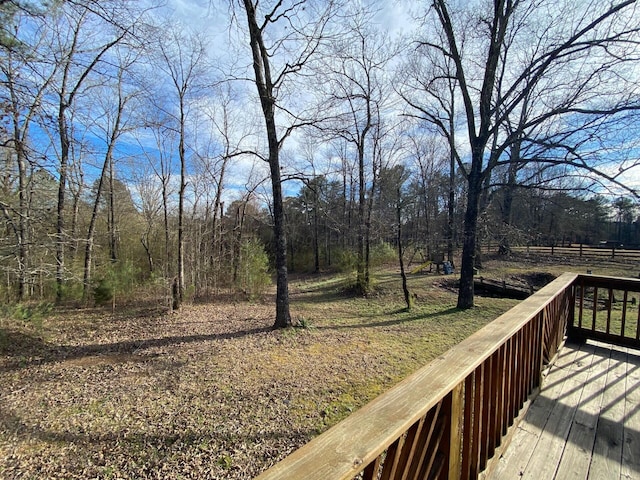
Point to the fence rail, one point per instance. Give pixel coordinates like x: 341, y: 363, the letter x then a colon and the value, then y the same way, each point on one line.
x: 580, y: 251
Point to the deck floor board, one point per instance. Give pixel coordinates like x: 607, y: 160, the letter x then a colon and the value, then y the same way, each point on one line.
x: 585, y: 422
x: 631, y: 442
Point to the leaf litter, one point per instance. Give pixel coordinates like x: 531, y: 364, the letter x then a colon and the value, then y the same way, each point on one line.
x: 210, y: 392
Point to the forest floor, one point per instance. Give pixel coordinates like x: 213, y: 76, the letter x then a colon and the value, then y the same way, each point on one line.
x: 212, y: 391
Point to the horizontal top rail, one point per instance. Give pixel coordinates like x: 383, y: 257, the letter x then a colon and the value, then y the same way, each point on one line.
x: 341, y: 451
x: 616, y: 283
x: 608, y: 310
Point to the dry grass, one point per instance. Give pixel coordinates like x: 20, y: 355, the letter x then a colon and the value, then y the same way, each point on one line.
x: 212, y: 391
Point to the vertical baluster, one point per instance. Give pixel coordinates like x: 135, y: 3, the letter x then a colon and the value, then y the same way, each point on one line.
x: 391, y: 461
x: 609, y: 307
x: 487, y: 410
x: 467, y: 430
x: 434, y: 459
x: 529, y: 363
x: 411, y: 445
x: 424, y: 442
x: 623, y: 320
x: 372, y: 470
x: 502, y: 395
x: 519, y: 374
x: 496, y: 388
x: 595, y: 309
x: 454, y: 409
x: 476, y: 421
x: 510, y: 386
x: 540, y: 350
x: 582, y: 292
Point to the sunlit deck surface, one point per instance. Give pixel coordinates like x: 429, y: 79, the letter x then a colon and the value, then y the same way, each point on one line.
x: 585, y: 423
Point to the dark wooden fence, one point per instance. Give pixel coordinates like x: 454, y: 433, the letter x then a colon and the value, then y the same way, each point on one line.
x: 579, y: 251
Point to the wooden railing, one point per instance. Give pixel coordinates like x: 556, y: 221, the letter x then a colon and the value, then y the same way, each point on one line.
x: 607, y: 309
x: 447, y: 419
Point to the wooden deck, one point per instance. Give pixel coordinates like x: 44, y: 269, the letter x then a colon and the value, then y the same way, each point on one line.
x: 585, y: 422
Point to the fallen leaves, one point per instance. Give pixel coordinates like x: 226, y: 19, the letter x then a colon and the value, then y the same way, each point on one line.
x: 211, y: 392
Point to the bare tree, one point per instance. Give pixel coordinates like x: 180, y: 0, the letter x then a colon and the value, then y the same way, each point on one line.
x: 284, y: 37
x: 78, y: 53
x: 183, y: 60
x: 158, y: 154
x: 227, y: 135
x: 567, y: 54
x: 427, y: 84
x: 114, y: 101
x: 356, y: 67
x: 27, y: 74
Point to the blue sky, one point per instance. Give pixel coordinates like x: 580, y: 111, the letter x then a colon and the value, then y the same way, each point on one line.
x: 226, y: 49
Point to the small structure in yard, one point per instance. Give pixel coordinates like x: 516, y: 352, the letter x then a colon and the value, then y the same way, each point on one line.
x: 501, y: 288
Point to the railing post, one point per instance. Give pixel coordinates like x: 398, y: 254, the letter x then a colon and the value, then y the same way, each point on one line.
x: 456, y: 418
x: 572, y: 308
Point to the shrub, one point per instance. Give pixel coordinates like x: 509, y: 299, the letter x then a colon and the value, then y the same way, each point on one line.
x: 31, y: 312
x: 253, y: 274
x: 347, y: 261
x: 383, y: 253
x: 102, y: 292
x: 28, y: 313
x: 118, y: 280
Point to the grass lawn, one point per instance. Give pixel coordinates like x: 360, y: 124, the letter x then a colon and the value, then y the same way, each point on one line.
x: 212, y: 391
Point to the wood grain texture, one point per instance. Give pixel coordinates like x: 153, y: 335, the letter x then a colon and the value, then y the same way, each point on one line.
x: 584, y: 424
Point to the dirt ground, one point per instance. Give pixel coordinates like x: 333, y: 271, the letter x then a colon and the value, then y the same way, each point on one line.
x: 212, y: 391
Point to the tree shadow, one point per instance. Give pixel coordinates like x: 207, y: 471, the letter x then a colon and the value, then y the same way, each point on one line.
x: 154, y: 447
x: 391, y: 322
x: 25, y: 350
x: 596, y: 414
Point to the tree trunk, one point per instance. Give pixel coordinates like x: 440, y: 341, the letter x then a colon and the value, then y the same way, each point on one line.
x: 283, y: 316
x: 264, y: 84
x: 62, y: 184
x: 403, y: 274
x: 507, y: 202
x: 76, y: 188
x: 144, y: 240
x: 92, y: 227
x: 316, y: 241
x: 361, y: 281
x: 178, y: 293
x: 23, y: 222
x: 367, y: 233
x: 237, y: 249
x: 113, y: 238
x: 452, y: 182
x: 465, y: 293
x: 216, y: 234
x: 168, y: 257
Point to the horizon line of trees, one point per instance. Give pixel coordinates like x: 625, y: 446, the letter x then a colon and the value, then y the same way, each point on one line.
x: 129, y: 243
x: 122, y: 138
